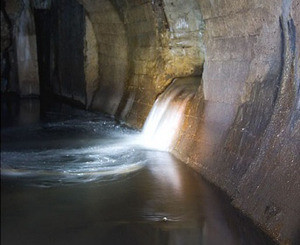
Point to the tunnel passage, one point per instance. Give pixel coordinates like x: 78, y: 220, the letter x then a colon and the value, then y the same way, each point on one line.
x: 60, y: 46
x: 241, y: 130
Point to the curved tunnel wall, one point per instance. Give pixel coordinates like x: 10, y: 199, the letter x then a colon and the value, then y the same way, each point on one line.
x: 109, y: 31
x: 242, y: 130
x: 148, y: 48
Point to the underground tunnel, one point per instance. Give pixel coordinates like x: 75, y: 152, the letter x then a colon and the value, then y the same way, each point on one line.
x: 150, y: 122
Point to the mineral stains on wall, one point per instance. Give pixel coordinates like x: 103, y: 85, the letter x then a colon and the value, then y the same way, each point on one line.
x: 241, y: 130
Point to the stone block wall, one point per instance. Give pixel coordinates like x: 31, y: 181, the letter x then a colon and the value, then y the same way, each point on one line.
x: 141, y: 49
x: 160, y: 49
x: 242, y: 130
x: 231, y: 126
x: 112, y: 51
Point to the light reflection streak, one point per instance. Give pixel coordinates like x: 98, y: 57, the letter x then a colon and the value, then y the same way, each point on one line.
x: 70, y: 166
x: 166, y: 117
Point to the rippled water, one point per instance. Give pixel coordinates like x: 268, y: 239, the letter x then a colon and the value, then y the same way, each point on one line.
x: 69, y: 149
x: 99, y: 160
x: 74, y: 177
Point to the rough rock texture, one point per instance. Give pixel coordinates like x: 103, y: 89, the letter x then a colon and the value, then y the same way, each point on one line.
x: 242, y: 129
x: 164, y: 44
x: 141, y: 49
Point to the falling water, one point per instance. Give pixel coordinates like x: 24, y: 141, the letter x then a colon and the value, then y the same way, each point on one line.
x: 166, y: 115
x: 76, y: 177
x: 68, y: 151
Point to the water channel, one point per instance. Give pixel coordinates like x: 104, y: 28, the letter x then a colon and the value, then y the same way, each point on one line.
x: 69, y: 176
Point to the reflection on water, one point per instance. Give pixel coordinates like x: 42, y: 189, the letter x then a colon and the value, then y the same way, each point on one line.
x: 66, y: 149
x: 73, y: 177
x: 57, y: 167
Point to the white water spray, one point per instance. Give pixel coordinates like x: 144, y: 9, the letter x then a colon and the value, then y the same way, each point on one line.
x: 167, y: 115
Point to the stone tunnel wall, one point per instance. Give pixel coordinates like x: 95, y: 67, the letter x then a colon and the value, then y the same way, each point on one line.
x: 19, y: 61
x: 111, y: 42
x: 141, y: 49
x: 46, y: 52
x: 163, y: 44
x: 242, y: 129
x: 68, y: 30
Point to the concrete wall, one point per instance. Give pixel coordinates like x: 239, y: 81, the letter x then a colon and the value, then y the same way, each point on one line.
x: 164, y: 44
x: 242, y: 130
x: 111, y: 42
x: 68, y: 31
x: 26, y: 52
x: 91, y: 61
x: 141, y: 49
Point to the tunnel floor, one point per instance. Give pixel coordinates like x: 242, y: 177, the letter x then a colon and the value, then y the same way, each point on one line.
x: 74, y: 177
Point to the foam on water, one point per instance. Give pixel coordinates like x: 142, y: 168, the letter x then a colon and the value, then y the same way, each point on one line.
x: 75, y: 148
x: 166, y: 117
x: 71, y: 166
x: 84, y: 148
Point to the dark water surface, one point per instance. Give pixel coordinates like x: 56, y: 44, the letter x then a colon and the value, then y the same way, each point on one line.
x: 75, y: 177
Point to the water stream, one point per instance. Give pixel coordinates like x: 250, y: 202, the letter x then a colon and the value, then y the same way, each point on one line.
x: 167, y: 114
x: 74, y: 177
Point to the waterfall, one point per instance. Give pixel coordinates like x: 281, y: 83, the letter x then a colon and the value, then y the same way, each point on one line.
x: 167, y: 114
